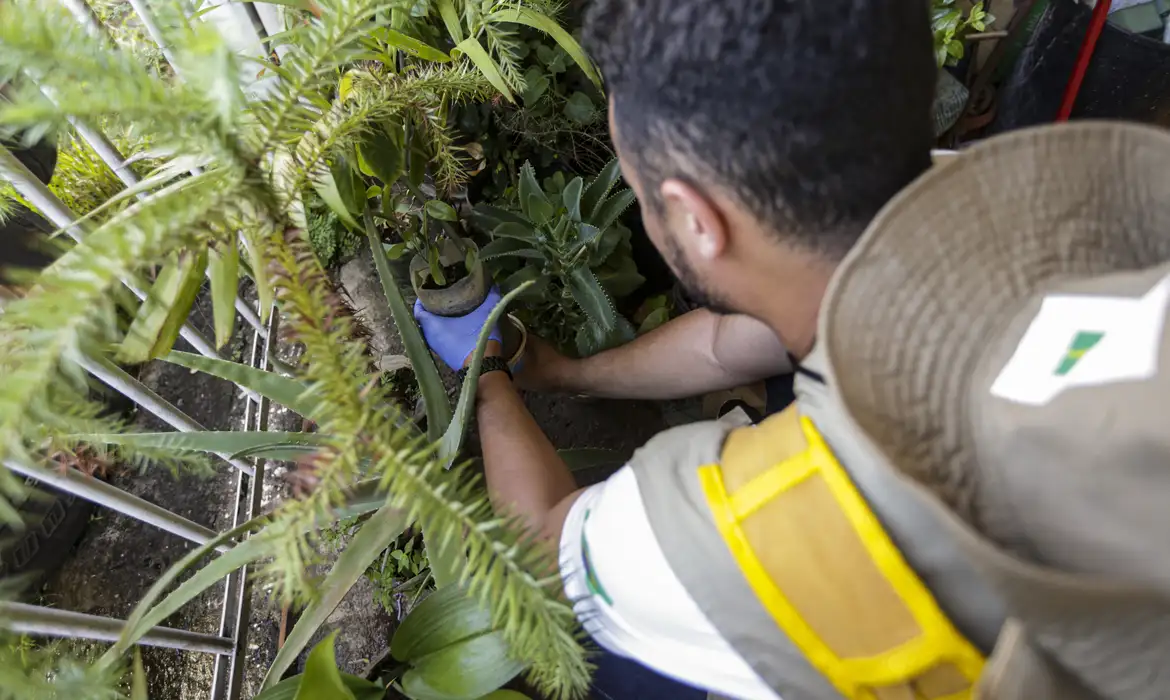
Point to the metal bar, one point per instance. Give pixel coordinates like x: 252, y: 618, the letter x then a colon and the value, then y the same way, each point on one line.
x: 50, y: 622
x: 85, y: 15
x: 139, y: 393
x: 114, y: 498
x: 261, y: 357
x: 153, y: 30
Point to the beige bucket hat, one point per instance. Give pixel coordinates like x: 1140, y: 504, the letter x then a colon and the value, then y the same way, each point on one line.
x: 1001, y: 336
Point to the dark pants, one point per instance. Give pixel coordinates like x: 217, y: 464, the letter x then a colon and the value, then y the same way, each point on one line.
x: 618, y: 678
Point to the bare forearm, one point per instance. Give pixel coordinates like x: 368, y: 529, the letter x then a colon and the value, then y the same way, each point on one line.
x: 525, y: 475
x: 693, y: 354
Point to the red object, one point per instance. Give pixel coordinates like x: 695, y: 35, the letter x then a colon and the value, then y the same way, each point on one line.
x: 1096, y: 24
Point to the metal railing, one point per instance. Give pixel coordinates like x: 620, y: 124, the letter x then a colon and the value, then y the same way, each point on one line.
x: 231, y: 639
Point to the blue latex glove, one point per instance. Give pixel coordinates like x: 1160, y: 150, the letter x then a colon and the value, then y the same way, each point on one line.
x: 454, y: 338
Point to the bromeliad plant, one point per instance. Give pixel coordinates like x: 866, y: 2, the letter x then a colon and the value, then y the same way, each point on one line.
x: 237, y: 168
x: 566, y: 240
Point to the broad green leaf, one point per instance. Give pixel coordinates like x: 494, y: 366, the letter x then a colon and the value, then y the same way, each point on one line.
x: 501, y: 695
x: 336, y: 188
x: 453, y: 437
x: 469, y: 669
x: 438, y: 209
x: 571, y: 198
x: 395, y: 251
x: 508, y: 247
x: 165, y: 309
x: 488, y: 217
x: 535, y: 86
x: 224, y: 269
x: 528, y: 273
x: 521, y: 232
x: 289, y: 393
x: 592, y: 299
x: 138, y: 681
x: 373, y: 191
x: 381, y: 155
x: 451, y: 20
x: 529, y: 191
x: 540, y: 209
x: 322, y: 679
x: 429, y: 382
x: 579, y: 108
x: 612, y: 209
x: 369, y: 542
x: 410, y: 45
x: 653, y: 320
x: 447, y: 616
x: 548, y: 25
x: 228, y: 441
x: 360, y: 687
x: 598, y: 190
x: 486, y: 65
x: 622, y: 280
x: 587, y: 233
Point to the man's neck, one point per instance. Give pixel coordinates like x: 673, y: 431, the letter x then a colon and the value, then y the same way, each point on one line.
x: 791, y: 303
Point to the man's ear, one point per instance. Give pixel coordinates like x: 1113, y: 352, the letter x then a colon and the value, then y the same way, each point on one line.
x: 695, y: 220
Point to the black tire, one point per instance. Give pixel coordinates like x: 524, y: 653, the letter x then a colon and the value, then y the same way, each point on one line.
x: 52, y: 523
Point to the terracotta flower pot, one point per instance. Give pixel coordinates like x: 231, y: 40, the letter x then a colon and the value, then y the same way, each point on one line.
x: 459, y: 298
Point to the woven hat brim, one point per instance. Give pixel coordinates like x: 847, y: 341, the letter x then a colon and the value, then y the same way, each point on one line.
x: 952, y: 259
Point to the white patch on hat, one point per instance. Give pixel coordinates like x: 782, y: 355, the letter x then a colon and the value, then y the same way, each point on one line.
x: 1082, y: 340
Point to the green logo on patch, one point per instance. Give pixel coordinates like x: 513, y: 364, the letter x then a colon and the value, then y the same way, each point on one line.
x: 1082, y: 343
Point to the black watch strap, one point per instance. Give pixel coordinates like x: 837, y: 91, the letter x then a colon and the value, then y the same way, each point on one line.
x: 489, y: 364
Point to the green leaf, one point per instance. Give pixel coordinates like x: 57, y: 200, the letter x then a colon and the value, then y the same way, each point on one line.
x: 373, y: 191
x: 289, y: 393
x: 572, y: 198
x: 453, y: 437
x: 410, y: 45
x: 548, y: 25
x: 501, y: 695
x: 335, y: 187
x: 451, y: 20
x: 224, y: 269
x: 446, y: 617
x: 535, y: 86
x: 517, y: 231
x: 528, y: 273
x: 381, y: 155
x: 540, y: 209
x: 138, y: 681
x: 229, y: 441
x: 598, y: 190
x: 622, y: 279
x: 395, y: 251
x: 165, y: 309
x: 508, y: 247
x: 586, y: 234
x: 322, y: 679
x: 438, y: 209
x: 529, y: 190
x: 612, y: 209
x: 469, y: 669
x: 365, y: 547
x: 488, y: 217
x: 425, y: 371
x: 360, y: 687
x: 592, y: 299
x: 486, y: 65
x: 580, y: 108
x: 653, y: 320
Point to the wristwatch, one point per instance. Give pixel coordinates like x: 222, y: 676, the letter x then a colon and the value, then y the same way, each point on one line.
x: 494, y: 363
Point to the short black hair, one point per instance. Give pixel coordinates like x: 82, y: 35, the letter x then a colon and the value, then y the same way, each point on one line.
x: 812, y: 113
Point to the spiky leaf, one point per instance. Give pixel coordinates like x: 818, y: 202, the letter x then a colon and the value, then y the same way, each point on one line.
x: 591, y: 297
x: 598, y: 190
x: 611, y: 209
x: 572, y: 198
x: 224, y: 271
x: 508, y: 247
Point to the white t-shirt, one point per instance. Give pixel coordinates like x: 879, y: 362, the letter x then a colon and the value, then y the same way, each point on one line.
x: 630, y: 601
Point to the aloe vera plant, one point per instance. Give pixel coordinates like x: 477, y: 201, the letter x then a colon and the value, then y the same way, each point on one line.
x: 566, y: 239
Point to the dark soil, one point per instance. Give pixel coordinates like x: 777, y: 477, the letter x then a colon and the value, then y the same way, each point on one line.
x: 451, y: 273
